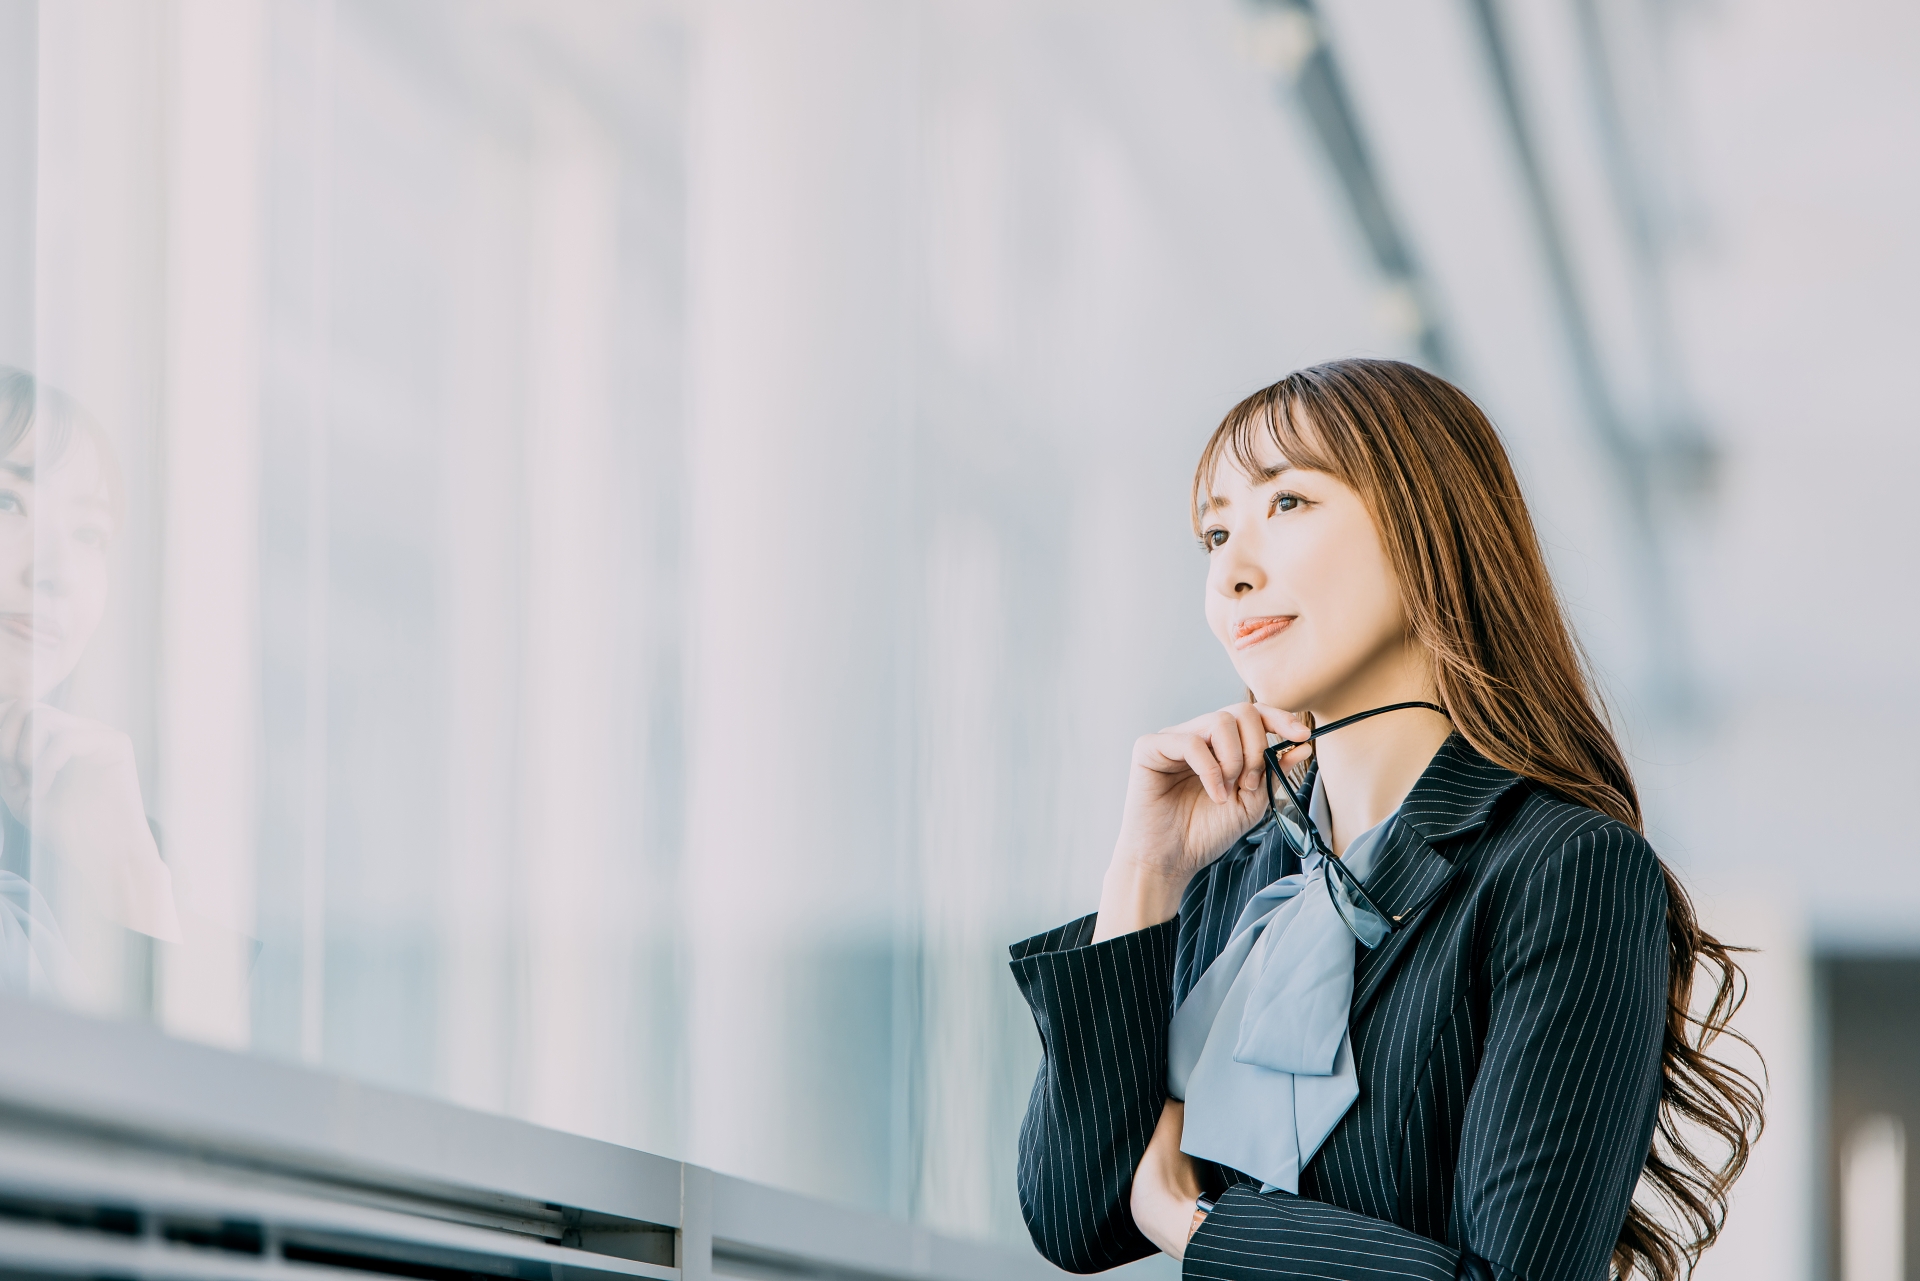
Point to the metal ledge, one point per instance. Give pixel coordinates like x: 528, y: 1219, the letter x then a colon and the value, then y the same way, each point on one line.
x: 124, y: 1151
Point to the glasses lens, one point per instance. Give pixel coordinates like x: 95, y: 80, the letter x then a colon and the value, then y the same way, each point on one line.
x: 1367, y: 924
x: 1288, y: 785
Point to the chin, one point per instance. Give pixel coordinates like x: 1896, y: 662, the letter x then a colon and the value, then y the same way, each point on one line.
x: 31, y: 680
x: 1285, y: 690
x: 1283, y: 694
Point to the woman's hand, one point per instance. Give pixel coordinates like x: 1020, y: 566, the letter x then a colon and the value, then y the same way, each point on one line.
x: 1166, y: 1186
x: 74, y: 783
x: 1193, y: 791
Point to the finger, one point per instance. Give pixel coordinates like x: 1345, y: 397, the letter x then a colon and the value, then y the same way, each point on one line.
x: 1223, y: 735
x: 1291, y: 728
x: 1253, y: 744
x: 1288, y: 725
x: 1198, y: 754
x: 40, y: 737
x: 17, y: 738
x: 12, y: 719
x: 1166, y: 752
x: 52, y: 756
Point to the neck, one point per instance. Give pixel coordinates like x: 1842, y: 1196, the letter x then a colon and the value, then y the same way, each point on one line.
x: 1368, y: 768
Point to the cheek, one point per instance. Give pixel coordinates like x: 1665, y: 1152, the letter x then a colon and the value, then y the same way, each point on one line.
x: 92, y: 584
x: 1347, y: 593
x: 1374, y: 610
x: 1316, y: 574
x: 16, y: 544
x: 88, y: 586
x: 1218, y: 608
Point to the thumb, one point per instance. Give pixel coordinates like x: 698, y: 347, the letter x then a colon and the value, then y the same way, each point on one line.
x: 1289, y: 726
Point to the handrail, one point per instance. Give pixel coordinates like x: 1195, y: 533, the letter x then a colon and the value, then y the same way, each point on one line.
x: 175, y: 1135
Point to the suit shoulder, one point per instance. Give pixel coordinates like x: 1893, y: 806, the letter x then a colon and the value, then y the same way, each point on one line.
x: 1542, y: 827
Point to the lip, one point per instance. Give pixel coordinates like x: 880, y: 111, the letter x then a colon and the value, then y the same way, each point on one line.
x: 1249, y: 632
x: 27, y: 629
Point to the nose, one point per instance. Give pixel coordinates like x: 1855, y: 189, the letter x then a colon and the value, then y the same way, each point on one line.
x: 52, y: 566
x: 1236, y: 571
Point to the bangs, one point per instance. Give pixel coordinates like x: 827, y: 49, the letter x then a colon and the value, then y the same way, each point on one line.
x: 1274, y: 415
x: 59, y: 427
x: 27, y: 408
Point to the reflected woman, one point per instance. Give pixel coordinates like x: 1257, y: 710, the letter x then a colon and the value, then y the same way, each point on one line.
x: 73, y: 810
x: 1405, y: 993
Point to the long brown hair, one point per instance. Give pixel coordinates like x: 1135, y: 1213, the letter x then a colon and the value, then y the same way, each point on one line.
x: 1433, y: 472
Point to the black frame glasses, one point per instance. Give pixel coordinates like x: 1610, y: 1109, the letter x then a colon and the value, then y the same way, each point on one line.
x: 1360, y: 913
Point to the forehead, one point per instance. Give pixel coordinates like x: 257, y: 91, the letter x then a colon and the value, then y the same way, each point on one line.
x: 1233, y: 474
x: 75, y: 474
x: 1259, y: 457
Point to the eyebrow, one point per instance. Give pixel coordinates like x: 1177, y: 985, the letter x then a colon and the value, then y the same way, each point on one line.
x: 1266, y: 474
x: 23, y: 470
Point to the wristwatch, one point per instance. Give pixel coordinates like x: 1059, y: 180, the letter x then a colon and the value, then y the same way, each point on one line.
x: 1202, y: 1207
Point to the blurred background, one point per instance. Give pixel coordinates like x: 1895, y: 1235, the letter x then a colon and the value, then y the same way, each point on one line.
x: 618, y: 548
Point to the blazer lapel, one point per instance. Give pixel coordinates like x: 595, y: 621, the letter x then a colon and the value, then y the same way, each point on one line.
x: 1455, y: 796
x: 1412, y: 876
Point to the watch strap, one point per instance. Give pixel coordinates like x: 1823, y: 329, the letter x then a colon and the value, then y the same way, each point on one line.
x: 1202, y: 1207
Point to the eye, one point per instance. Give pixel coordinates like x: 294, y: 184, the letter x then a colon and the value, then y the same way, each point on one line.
x: 1285, y: 502
x: 94, y: 536
x: 1212, y: 538
x: 10, y: 502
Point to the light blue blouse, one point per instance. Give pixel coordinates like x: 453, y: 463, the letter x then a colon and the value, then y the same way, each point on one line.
x: 1259, y: 1049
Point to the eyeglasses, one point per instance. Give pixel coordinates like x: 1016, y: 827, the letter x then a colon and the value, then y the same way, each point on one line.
x: 1362, y: 916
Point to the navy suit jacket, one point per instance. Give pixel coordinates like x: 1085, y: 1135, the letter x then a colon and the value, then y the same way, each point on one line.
x: 1507, y: 1038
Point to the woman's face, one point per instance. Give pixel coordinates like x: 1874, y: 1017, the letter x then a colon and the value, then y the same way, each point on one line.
x: 1300, y: 591
x: 55, y: 526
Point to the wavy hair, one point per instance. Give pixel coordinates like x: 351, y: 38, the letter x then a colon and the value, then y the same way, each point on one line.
x: 1433, y: 472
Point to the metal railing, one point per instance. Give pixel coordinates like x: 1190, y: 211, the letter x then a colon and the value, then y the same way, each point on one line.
x: 124, y: 1153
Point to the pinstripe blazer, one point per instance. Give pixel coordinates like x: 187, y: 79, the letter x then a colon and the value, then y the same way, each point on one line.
x: 1507, y: 1037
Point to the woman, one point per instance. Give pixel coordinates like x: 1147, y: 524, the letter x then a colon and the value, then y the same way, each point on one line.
x: 73, y: 821
x: 1411, y: 1000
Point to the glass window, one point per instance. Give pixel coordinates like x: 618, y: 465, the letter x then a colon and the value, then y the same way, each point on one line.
x: 600, y: 560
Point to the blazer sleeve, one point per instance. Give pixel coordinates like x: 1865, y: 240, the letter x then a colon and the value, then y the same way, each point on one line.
x: 1560, y: 1118
x: 1102, y: 1010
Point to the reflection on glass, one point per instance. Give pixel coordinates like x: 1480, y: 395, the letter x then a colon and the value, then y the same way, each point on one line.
x: 75, y: 842
x: 509, y: 397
